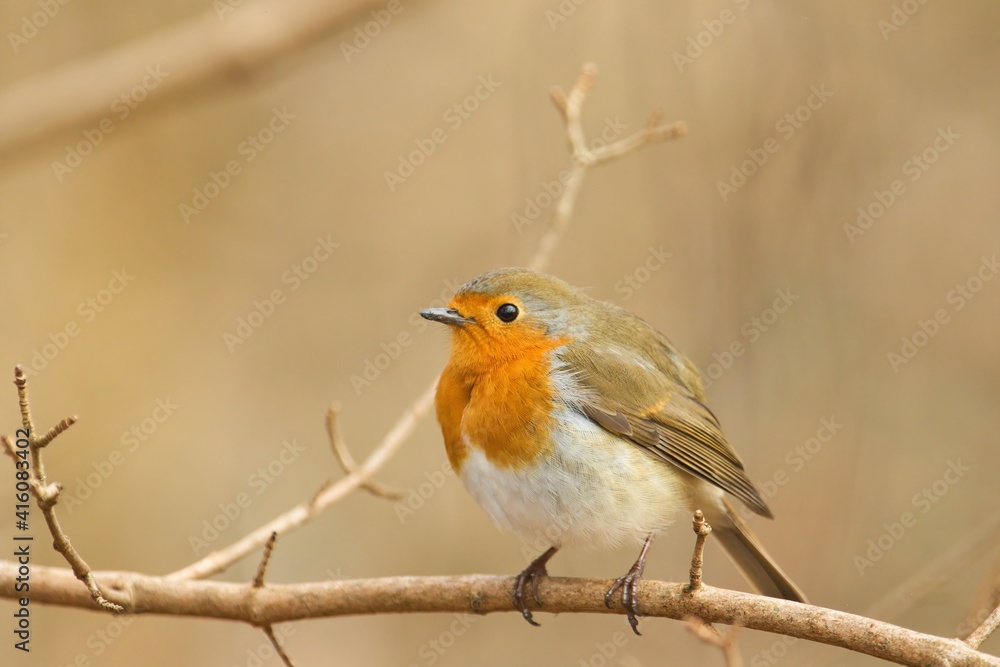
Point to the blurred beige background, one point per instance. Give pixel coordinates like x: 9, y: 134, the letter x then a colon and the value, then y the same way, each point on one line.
x: 887, y: 96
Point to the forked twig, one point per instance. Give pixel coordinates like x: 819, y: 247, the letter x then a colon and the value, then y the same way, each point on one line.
x: 47, y: 495
x: 345, y: 459
x: 583, y: 157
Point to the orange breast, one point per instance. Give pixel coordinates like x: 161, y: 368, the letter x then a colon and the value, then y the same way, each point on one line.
x: 502, y: 407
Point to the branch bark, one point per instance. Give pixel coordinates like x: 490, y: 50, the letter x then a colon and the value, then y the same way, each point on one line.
x: 482, y: 594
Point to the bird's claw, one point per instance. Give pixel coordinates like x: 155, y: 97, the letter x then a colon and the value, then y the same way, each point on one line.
x: 630, y: 600
x: 530, y: 576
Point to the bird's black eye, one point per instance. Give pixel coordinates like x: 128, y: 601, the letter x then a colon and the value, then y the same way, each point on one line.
x: 507, y: 312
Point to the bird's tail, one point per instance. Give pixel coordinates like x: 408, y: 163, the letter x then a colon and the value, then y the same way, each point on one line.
x: 746, y: 552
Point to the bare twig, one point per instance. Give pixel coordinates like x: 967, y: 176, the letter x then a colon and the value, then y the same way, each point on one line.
x: 218, y: 561
x: 345, y: 459
x: 47, y: 495
x: 258, y: 580
x: 194, y: 52
x: 726, y: 643
x: 701, y: 529
x: 258, y: 583
x: 583, y: 157
x: 487, y: 594
x: 278, y: 648
x: 983, y: 632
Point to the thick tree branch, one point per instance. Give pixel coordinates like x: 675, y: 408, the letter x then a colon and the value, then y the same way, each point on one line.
x: 194, y: 52
x: 483, y: 594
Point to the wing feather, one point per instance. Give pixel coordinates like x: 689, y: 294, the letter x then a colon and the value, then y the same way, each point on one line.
x: 653, y: 398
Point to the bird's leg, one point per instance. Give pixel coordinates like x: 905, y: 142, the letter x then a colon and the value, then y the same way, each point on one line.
x: 627, y: 583
x: 533, y: 574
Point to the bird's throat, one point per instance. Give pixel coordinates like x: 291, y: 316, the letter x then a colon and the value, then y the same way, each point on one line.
x: 503, y: 409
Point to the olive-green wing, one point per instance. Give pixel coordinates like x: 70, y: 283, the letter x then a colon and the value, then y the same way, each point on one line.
x: 650, y: 405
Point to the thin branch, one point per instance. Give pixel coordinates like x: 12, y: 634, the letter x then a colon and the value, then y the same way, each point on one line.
x: 258, y: 583
x: 47, y: 495
x: 218, y: 561
x: 983, y: 632
x: 191, y: 53
x: 482, y: 594
x: 726, y: 643
x: 278, y: 648
x: 570, y: 107
x: 701, y: 529
x: 345, y: 459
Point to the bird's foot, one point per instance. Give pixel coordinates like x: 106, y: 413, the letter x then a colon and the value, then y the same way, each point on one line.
x: 627, y: 583
x: 530, y: 577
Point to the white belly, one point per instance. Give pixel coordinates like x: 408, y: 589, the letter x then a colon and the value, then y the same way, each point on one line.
x: 593, y: 492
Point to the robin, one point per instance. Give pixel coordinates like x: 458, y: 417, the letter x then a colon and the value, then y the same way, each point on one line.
x: 573, y: 422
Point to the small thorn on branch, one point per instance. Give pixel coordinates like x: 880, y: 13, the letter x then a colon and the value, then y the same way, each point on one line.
x: 701, y: 529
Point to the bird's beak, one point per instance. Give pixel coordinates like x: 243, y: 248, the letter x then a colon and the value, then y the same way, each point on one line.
x: 448, y: 316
